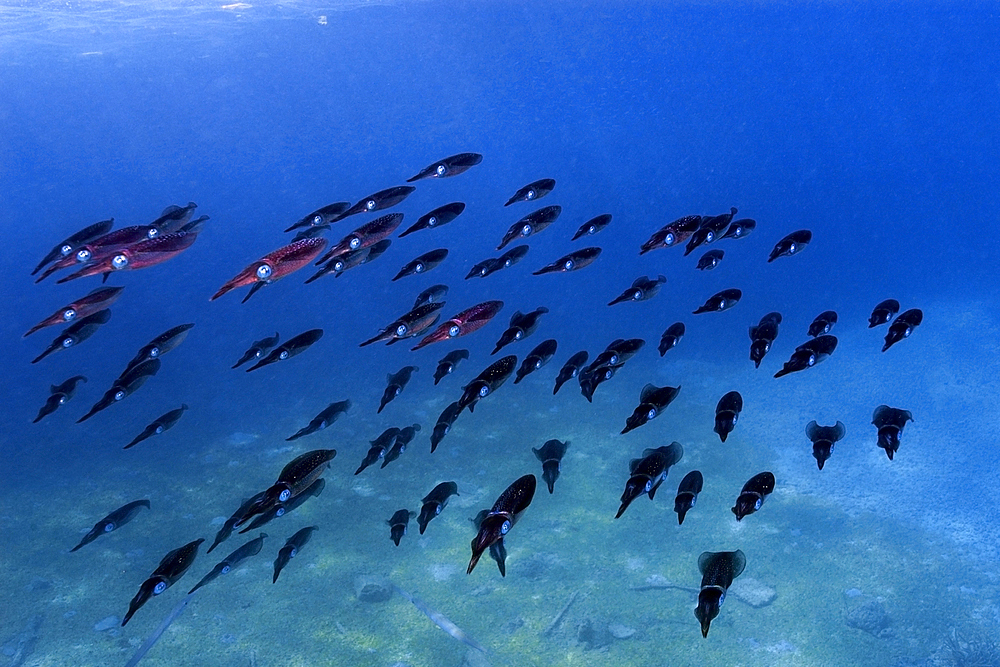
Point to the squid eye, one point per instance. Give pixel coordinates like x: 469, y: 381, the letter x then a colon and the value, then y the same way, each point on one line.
x: 355, y: 243
x: 108, y: 527
x: 154, y: 352
x: 530, y: 194
x: 767, y: 347
x: 506, y: 263
x: 294, y: 552
x: 69, y: 314
x: 484, y: 391
x: 636, y: 295
x: 66, y: 249
x: 441, y: 170
x: 591, y: 230
x: 526, y: 230
x: 67, y: 342
x: 437, y: 510
x: 160, y: 587
x: 613, y: 360
x: 791, y: 248
x: 317, y: 220
x: 120, y: 394
x: 907, y: 331
x: 432, y: 221
x: 279, y: 512
x: 401, y: 330
x: 152, y: 233
x: 454, y: 330
x: 538, y: 364
x: 649, y: 485
x: 263, y: 272
x: 738, y: 232
x: 225, y: 569
x: 568, y: 265
x: 82, y: 255
x: 608, y: 374
x: 338, y: 265
x: 735, y: 419
x: 709, y: 237
x: 63, y: 399
x: 283, y: 355
x: 812, y: 360
x: 669, y: 239
x: 651, y: 414
x: 159, y: 430
x: 119, y: 261
x: 505, y: 527
x: 284, y: 495
x: 694, y: 500
x: 370, y: 204
x: 419, y: 268
x: 447, y: 429
x: 757, y: 503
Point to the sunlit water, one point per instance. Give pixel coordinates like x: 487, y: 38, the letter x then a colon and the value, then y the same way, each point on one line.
x: 872, y: 128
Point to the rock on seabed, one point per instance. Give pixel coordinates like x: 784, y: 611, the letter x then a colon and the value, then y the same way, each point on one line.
x: 109, y: 623
x: 753, y: 592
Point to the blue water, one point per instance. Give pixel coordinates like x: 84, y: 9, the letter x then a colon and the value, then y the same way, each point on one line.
x: 873, y: 127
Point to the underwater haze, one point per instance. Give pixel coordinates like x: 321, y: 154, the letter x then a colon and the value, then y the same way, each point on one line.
x: 873, y: 126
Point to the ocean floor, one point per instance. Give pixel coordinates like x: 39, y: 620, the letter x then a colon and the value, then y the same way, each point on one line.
x: 868, y: 562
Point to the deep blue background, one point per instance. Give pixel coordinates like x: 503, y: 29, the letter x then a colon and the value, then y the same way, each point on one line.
x: 874, y: 127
